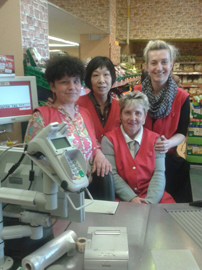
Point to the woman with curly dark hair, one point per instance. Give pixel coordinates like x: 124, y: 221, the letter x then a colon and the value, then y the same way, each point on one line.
x: 65, y: 74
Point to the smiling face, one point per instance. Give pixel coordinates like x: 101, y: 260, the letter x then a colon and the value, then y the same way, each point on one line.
x: 67, y: 90
x: 159, y: 66
x: 101, y: 82
x: 132, y: 118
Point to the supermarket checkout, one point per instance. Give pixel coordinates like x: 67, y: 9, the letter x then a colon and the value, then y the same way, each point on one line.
x: 168, y: 115
x: 139, y: 175
x: 64, y: 74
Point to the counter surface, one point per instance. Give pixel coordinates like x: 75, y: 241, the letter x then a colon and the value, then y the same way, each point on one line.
x: 149, y: 227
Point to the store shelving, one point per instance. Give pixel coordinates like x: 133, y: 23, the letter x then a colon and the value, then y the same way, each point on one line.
x: 196, y: 142
x: 190, y: 74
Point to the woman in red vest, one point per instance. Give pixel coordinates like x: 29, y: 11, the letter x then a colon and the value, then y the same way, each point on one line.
x: 168, y: 115
x: 138, y: 170
x: 64, y: 74
x: 104, y: 110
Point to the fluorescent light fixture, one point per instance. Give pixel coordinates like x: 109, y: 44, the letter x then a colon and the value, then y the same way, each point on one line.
x: 61, y: 45
x: 70, y: 43
x: 54, y: 50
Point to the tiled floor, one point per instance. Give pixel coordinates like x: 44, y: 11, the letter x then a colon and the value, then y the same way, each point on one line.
x: 196, y: 181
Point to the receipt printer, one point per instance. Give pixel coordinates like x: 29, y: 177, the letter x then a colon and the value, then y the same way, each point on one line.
x: 106, y: 248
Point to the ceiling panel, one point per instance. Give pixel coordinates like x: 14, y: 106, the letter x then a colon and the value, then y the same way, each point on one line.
x: 64, y: 25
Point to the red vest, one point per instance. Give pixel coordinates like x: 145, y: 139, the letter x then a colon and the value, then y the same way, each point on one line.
x: 136, y: 172
x: 112, y: 120
x: 168, y: 125
x: 51, y: 115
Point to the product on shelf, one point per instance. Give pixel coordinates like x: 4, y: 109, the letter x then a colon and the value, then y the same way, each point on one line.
x: 125, y: 70
x: 196, y: 107
x: 186, y: 79
x: 195, y: 128
x: 192, y: 91
x: 188, y: 67
x: 199, y: 91
x: 176, y: 67
x: 190, y: 74
x: 198, y: 67
x: 194, y: 149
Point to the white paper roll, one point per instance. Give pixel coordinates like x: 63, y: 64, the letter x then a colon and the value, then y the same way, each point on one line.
x: 51, y: 251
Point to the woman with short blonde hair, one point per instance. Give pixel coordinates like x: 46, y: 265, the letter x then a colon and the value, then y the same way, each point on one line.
x: 138, y: 170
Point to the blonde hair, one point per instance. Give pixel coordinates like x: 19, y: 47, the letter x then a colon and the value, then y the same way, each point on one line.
x: 134, y: 98
x: 153, y: 45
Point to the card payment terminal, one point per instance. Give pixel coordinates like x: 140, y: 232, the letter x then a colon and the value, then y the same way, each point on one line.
x: 67, y: 162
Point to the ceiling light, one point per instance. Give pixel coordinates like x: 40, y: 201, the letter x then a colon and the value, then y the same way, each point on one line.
x: 63, y: 41
x: 62, y: 45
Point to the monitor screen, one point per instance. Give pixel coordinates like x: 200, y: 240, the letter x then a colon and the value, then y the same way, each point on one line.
x: 18, y: 99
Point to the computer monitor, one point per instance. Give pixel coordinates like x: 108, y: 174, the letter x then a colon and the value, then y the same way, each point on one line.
x: 18, y: 99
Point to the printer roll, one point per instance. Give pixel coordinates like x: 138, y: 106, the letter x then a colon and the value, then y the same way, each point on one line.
x: 80, y: 244
x: 51, y: 251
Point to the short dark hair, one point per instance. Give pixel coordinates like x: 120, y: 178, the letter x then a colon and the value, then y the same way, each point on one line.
x: 96, y: 62
x: 60, y: 66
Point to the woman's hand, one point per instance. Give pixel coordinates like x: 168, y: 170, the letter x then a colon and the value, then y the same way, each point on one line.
x: 139, y: 200
x: 162, y: 146
x: 101, y: 164
x: 165, y: 144
x: 50, y: 103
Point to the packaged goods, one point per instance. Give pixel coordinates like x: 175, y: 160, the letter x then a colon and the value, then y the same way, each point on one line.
x: 195, y: 128
x: 192, y: 91
x: 200, y: 80
x: 188, y: 67
x: 198, y: 67
x: 177, y: 67
x: 199, y: 91
x: 187, y: 79
x: 196, y: 107
x: 194, y: 149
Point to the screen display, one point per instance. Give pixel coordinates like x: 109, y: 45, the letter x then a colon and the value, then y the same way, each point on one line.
x: 60, y: 143
x: 15, y: 98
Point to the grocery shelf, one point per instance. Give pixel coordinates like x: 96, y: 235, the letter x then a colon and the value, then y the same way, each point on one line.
x: 191, y: 85
x: 189, y: 62
x: 194, y: 159
x: 194, y: 140
x: 187, y: 72
x: 136, y: 78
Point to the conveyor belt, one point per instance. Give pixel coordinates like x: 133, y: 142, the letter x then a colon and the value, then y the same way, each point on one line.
x: 191, y: 222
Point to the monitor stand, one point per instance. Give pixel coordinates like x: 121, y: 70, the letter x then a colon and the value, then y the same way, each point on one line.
x: 3, y: 130
x: 6, y: 128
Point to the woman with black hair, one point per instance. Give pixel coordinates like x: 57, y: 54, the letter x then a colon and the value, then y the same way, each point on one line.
x: 104, y: 110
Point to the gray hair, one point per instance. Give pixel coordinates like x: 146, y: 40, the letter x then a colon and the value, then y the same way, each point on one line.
x: 153, y: 45
x: 134, y: 98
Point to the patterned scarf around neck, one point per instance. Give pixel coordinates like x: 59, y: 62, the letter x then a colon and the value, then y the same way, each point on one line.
x: 160, y: 105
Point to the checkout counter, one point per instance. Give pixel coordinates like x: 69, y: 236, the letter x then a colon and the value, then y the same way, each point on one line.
x: 150, y: 228
x: 156, y: 234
